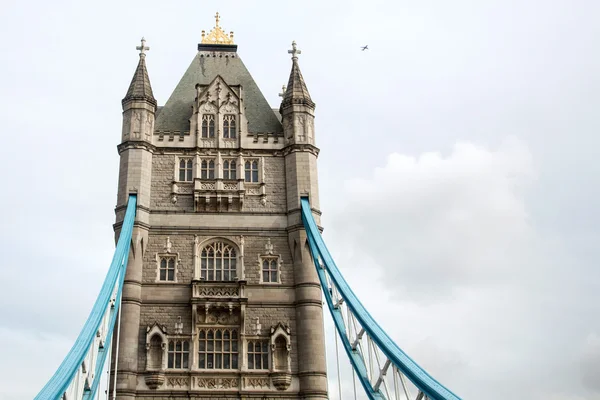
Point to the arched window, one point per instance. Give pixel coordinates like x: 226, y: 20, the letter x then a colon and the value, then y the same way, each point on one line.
x: 218, y: 262
x: 186, y: 170
x: 258, y: 354
x: 207, y: 169
x: 229, y: 169
x: 167, y: 268
x: 229, y: 126
x: 251, y: 170
x: 208, y: 126
x: 179, y: 354
x: 218, y: 349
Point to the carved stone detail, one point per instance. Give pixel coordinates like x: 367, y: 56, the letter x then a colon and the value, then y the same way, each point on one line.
x: 208, y: 142
x: 155, y: 380
x: 178, y: 381
x: 257, y: 382
x: 216, y: 383
x: 281, y: 380
x: 208, y: 186
x: 230, y: 186
x: 215, y: 291
x: 218, y: 318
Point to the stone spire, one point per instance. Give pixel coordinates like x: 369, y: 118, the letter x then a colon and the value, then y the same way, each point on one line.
x: 140, y: 89
x: 296, y: 92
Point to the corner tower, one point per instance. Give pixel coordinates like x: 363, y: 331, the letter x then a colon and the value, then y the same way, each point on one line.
x: 220, y: 298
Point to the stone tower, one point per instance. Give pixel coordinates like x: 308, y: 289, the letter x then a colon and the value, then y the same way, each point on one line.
x: 221, y: 297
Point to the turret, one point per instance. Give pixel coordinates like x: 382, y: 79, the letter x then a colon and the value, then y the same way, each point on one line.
x: 135, y: 151
x: 297, y: 110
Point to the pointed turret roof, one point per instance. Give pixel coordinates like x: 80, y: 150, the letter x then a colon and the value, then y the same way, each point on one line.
x: 296, y: 92
x: 140, y: 88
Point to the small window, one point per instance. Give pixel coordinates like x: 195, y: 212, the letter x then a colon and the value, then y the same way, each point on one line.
x: 229, y: 169
x: 251, y: 170
x: 258, y: 354
x: 167, y: 269
x: 208, y: 126
x: 270, y: 270
x: 218, y: 349
x: 186, y: 170
x: 179, y: 354
x: 229, y: 126
x: 207, y: 169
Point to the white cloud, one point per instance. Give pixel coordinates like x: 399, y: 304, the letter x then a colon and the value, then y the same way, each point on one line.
x: 465, y: 282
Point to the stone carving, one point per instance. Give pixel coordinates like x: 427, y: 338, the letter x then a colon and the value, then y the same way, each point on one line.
x: 178, y: 326
x: 254, y: 326
x: 281, y: 380
x: 126, y: 126
x: 207, y: 142
x: 217, y: 383
x: 208, y: 108
x: 301, y: 122
x: 138, y: 122
x: 212, y: 291
x: 185, y: 189
x: 148, y: 130
x: 230, y: 186
x: 269, y: 246
x: 207, y: 186
x: 178, y: 381
x: 229, y: 143
x: 168, y: 245
x: 257, y: 382
x: 218, y: 317
x: 155, y: 380
x: 253, y: 191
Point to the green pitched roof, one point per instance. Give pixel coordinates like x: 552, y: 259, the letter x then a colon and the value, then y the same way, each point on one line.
x: 210, y: 61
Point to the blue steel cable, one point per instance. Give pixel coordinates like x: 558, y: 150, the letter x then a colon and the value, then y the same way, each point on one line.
x: 65, y: 373
x: 417, y: 375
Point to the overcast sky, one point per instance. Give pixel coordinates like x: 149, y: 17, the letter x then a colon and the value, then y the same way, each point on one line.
x: 459, y: 176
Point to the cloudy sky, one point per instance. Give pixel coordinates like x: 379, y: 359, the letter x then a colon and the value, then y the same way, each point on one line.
x: 458, y: 171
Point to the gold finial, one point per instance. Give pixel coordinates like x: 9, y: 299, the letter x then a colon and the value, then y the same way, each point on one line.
x: 217, y: 35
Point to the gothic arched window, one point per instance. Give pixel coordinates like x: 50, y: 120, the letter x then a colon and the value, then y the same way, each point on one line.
x: 229, y: 126
x: 229, y: 169
x: 178, y: 354
x: 207, y: 169
x: 251, y: 170
x: 218, y: 349
x: 208, y: 126
x: 185, y: 170
x: 218, y: 262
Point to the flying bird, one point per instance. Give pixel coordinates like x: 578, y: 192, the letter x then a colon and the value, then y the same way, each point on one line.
x: 365, y: 47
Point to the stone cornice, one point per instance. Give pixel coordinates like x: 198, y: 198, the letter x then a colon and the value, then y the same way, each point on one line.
x: 297, y: 148
x: 136, y: 144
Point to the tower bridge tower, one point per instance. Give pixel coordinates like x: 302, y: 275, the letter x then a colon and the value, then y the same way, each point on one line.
x: 221, y: 298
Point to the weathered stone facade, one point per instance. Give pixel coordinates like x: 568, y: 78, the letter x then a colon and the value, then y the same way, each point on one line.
x: 221, y: 299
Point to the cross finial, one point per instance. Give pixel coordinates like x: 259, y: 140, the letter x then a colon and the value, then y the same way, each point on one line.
x: 217, y: 18
x: 294, y: 51
x: 282, y: 91
x: 143, y: 48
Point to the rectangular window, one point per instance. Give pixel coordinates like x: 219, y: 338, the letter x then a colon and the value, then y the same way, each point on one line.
x: 167, y: 269
x: 207, y: 169
x: 218, y: 349
x: 270, y: 270
x: 229, y: 126
x: 258, y: 354
x: 251, y: 171
x: 208, y: 126
x: 179, y: 354
x: 229, y: 171
x: 186, y: 170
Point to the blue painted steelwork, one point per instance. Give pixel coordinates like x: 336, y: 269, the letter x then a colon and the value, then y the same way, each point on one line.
x: 60, y: 381
x: 417, y: 375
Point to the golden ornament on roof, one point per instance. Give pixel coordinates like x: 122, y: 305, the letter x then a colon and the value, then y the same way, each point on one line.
x: 217, y: 35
